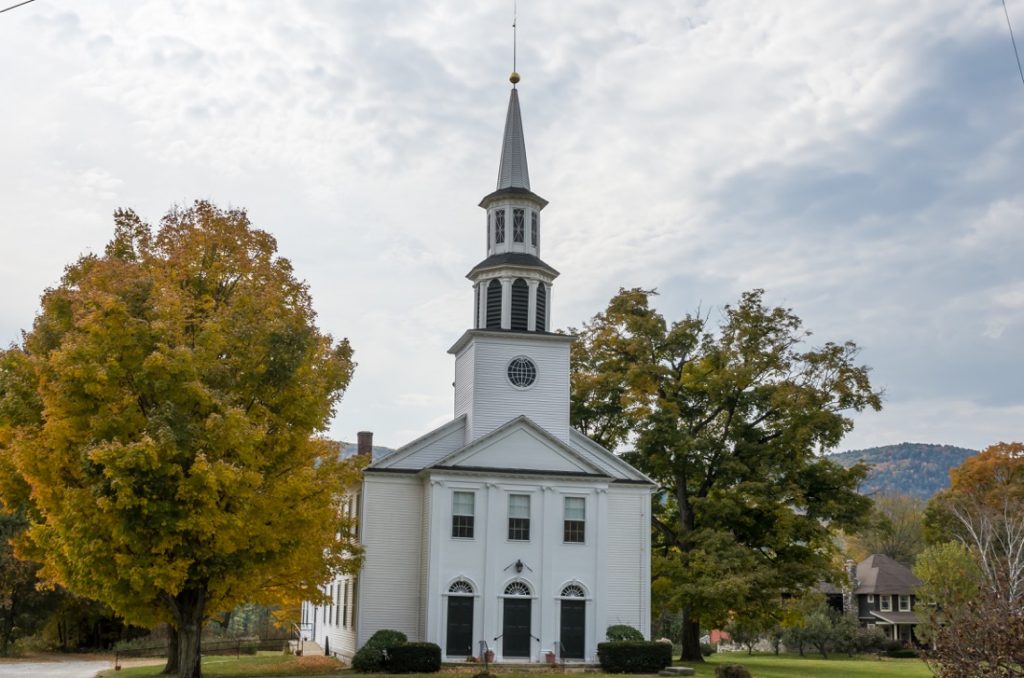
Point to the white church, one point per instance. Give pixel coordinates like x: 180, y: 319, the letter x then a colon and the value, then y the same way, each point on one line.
x: 504, y: 526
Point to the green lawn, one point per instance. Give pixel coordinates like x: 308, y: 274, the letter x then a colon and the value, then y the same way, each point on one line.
x: 262, y: 664
x: 794, y: 666
x: 760, y: 665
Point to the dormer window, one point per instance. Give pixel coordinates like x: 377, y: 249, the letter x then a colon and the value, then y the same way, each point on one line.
x: 518, y: 225
x: 499, y: 226
x: 534, y: 229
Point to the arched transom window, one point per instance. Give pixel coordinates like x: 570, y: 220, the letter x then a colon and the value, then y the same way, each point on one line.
x: 517, y: 588
x: 461, y: 587
x: 573, y: 591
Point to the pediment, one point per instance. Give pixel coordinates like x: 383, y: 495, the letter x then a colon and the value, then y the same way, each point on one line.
x: 523, y: 446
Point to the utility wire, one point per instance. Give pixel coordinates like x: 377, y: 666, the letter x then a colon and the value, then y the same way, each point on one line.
x: 8, y: 9
x: 1014, y: 41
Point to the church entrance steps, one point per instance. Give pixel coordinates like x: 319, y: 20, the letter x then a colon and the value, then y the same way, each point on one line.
x: 677, y: 671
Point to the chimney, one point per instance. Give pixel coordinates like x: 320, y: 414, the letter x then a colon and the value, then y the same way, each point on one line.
x: 365, y: 446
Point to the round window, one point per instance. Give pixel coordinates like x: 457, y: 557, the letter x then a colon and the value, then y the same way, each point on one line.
x: 522, y: 372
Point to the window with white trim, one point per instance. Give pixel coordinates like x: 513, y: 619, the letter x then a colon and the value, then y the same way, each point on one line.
x: 573, y: 591
x: 344, y: 604
x: 519, y: 517
x: 517, y: 588
x: 499, y: 226
x: 534, y: 229
x: 463, y: 511
x: 886, y: 603
x: 518, y: 225
x: 871, y: 598
x: 462, y: 587
x: 575, y: 520
x: 904, y: 603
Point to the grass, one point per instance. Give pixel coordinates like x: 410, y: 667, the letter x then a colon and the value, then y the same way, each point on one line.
x: 794, y: 666
x: 261, y: 664
x: 760, y: 665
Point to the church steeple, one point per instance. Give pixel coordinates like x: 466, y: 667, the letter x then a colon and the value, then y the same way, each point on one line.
x: 512, y: 284
x: 513, y: 171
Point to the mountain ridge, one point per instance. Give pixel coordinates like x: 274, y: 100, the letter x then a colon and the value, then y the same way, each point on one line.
x: 918, y: 469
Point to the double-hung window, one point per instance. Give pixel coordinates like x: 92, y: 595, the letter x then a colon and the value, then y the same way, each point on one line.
x: 463, y: 511
x: 519, y: 517
x: 904, y: 603
x: 575, y: 523
x: 885, y: 603
x: 534, y: 230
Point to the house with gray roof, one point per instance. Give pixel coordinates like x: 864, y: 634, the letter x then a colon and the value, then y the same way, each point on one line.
x: 884, y: 595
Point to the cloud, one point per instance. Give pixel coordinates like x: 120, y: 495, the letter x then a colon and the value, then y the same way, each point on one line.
x: 861, y: 161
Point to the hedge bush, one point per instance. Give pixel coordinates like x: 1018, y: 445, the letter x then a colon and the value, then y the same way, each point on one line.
x: 634, y: 656
x: 370, y: 656
x: 414, y: 658
x: 623, y: 632
x: 732, y: 671
x: 902, y: 653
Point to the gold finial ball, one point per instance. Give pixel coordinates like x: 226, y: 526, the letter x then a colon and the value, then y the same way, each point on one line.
x: 514, y: 78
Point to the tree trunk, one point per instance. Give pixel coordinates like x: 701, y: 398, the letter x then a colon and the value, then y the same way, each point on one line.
x: 691, y: 638
x: 188, y: 612
x: 172, y: 651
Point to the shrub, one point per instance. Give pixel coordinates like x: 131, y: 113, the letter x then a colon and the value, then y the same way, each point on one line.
x: 902, y: 653
x: 370, y: 656
x: 732, y: 671
x: 634, y: 656
x: 414, y: 658
x: 707, y: 649
x: 623, y: 632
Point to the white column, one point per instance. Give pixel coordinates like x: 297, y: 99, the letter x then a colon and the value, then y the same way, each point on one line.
x: 506, y: 303
x: 433, y: 630
x: 600, y: 532
x: 531, y: 318
x: 547, y: 310
x: 481, y: 309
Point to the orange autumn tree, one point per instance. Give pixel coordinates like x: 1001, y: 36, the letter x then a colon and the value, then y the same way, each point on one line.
x: 163, y: 416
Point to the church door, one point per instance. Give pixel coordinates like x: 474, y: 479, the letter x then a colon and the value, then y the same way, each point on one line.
x: 515, y: 641
x: 460, y: 626
x: 574, y: 627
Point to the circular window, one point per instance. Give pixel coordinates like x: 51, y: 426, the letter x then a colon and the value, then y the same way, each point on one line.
x: 522, y: 372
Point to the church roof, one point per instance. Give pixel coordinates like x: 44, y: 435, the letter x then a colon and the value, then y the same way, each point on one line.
x: 513, y: 172
x: 511, y: 259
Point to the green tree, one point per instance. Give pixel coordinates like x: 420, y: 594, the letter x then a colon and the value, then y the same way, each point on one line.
x: 24, y: 608
x: 164, y: 412
x: 950, y: 577
x: 895, y: 529
x: 731, y: 423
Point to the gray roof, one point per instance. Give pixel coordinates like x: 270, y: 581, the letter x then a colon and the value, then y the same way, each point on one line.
x: 511, y: 259
x: 882, y: 574
x: 513, y: 172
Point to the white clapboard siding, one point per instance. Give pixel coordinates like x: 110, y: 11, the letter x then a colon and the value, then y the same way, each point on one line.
x: 389, y: 584
x: 496, y: 401
x: 429, y: 449
x: 629, y: 557
x: 338, y: 635
x: 521, y: 448
x: 464, y: 382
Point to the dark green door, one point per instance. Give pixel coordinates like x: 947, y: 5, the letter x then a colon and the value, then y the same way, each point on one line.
x: 574, y: 629
x: 460, y: 626
x: 515, y: 638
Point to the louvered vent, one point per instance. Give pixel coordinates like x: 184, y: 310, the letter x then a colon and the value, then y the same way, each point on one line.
x: 520, y: 304
x: 542, y: 306
x: 494, y: 305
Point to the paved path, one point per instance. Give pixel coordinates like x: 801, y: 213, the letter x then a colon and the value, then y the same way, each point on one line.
x: 69, y: 668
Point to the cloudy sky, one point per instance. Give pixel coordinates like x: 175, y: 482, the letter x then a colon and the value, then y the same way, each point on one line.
x: 862, y: 161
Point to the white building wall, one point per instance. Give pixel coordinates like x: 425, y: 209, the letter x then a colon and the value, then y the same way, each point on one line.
x: 464, y: 381
x: 488, y: 560
x: 629, y: 557
x: 494, y: 401
x: 389, y: 584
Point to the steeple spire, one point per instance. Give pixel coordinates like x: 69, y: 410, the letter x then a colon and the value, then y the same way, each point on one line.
x: 513, y: 172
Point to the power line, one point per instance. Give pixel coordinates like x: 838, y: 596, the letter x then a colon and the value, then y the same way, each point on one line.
x: 1014, y: 41
x: 8, y: 9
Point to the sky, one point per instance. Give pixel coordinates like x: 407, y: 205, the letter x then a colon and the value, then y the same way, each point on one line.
x: 863, y: 162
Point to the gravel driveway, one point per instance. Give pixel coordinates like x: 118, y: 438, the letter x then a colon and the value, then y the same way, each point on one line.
x: 62, y: 668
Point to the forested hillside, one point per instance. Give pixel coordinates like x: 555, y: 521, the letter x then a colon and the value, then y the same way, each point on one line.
x: 917, y: 469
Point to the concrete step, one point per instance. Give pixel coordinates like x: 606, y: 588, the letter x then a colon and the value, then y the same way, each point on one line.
x: 308, y: 648
x: 677, y: 671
